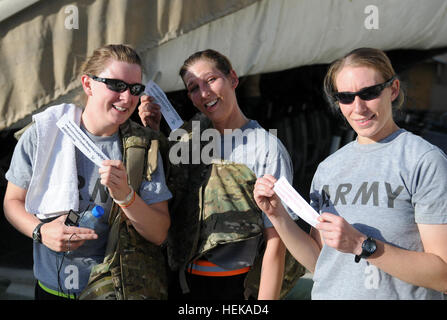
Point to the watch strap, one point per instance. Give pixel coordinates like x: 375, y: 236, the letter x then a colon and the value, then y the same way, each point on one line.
x: 365, y: 253
x: 37, y: 236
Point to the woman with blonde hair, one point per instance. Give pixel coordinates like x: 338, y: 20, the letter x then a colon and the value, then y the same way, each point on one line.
x: 382, y: 198
x: 49, y: 177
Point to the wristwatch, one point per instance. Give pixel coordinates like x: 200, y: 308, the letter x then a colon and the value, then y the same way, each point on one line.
x: 37, y: 237
x: 368, y: 248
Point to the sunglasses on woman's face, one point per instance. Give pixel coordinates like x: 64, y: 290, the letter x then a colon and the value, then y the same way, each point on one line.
x: 120, y: 86
x: 366, y: 94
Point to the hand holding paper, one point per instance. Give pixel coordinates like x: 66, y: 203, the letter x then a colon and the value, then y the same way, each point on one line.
x: 295, y: 202
x: 149, y: 112
x: 171, y: 116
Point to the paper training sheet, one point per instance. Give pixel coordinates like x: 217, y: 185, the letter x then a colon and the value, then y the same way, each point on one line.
x: 167, y: 110
x: 295, y: 202
x: 81, y: 140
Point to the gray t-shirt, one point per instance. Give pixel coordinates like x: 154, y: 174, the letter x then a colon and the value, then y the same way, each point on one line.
x: 69, y: 273
x: 384, y: 190
x: 262, y: 153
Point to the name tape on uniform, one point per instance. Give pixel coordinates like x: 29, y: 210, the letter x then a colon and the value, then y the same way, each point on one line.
x: 167, y: 110
x: 81, y: 140
x: 295, y: 202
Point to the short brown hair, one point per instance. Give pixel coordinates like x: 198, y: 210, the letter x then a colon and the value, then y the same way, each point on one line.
x: 222, y: 63
x: 102, y: 56
x: 367, y: 57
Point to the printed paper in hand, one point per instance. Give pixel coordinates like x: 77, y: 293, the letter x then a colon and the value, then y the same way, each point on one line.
x: 295, y: 202
x: 167, y: 110
x: 81, y: 140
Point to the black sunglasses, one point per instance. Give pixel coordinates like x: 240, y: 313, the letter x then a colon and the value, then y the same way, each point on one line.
x: 368, y: 93
x: 120, y: 86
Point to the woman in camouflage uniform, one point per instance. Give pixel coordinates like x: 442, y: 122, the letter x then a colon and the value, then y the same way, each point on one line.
x: 218, y: 235
x: 64, y: 255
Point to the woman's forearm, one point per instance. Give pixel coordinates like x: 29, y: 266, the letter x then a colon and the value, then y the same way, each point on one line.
x: 151, y: 221
x: 272, y: 272
x: 418, y: 268
x: 299, y: 243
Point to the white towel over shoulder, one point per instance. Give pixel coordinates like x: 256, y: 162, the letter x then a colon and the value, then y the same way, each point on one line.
x: 53, y: 189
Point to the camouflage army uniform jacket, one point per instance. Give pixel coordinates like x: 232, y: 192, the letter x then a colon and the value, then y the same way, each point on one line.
x: 213, y: 204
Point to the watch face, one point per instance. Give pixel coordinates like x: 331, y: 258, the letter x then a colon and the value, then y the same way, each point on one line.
x: 369, y: 246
